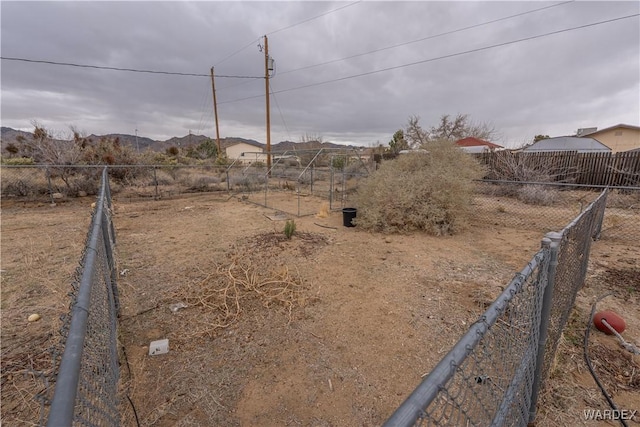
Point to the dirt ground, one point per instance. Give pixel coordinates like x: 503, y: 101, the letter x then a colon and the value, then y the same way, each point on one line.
x: 334, y: 327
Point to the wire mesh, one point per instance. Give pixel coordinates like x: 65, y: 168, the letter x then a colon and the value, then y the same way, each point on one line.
x: 87, y: 377
x: 492, y: 375
x: 488, y: 376
x: 571, y: 271
x: 550, y: 206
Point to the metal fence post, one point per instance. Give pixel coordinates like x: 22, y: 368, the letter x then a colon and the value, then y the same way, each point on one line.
x: 48, y: 172
x: 552, y: 242
x: 155, y: 181
x: 331, y: 189
x: 266, y: 187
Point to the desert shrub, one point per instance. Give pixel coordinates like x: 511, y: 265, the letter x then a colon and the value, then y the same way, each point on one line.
x: 429, y: 191
x: 247, y: 182
x: 19, y: 188
x: 289, y: 228
x: 200, y: 182
x: 18, y: 161
x: 162, y: 159
x: 84, y: 185
x: 540, y: 195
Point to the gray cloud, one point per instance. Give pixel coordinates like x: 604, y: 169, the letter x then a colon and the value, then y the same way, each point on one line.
x: 553, y: 85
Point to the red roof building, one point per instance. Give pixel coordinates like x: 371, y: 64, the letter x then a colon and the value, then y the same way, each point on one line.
x: 476, y: 145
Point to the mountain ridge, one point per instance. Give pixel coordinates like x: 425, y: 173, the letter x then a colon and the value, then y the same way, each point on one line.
x: 9, y: 135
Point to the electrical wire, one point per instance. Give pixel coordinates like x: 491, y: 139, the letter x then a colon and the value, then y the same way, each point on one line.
x: 452, y: 55
x: 132, y: 70
x: 284, y: 28
x: 279, y: 110
x: 315, y: 17
x: 427, y: 38
x: 236, y: 52
x: 587, y: 359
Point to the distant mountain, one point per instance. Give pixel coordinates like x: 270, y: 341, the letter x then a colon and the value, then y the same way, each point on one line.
x: 132, y: 141
x: 9, y: 135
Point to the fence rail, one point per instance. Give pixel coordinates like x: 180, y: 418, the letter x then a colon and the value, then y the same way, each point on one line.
x: 494, y: 374
x: 87, y: 381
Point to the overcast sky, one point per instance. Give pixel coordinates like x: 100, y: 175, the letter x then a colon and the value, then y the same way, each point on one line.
x: 552, y: 85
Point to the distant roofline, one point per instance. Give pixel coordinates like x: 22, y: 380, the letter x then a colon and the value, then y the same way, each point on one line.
x: 619, y: 125
x: 481, y: 143
x: 532, y: 147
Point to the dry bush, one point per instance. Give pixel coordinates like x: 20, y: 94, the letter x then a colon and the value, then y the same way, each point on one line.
x: 540, y: 195
x: 200, y: 182
x: 247, y: 182
x: 234, y: 286
x: 430, y: 191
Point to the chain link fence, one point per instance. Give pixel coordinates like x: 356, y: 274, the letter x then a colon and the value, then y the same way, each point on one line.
x: 331, y: 177
x: 543, y: 206
x: 493, y: 375
x: 86, y: 386
x: 573, y: 258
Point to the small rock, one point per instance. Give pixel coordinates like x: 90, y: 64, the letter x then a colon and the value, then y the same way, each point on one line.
x: 177, y: 306
x: 57, y: 196
x: 82, y: 194
x: 33, y: 317
x: 387, y: 239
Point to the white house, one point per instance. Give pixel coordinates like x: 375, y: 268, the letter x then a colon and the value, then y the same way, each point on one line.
x: 246, y: 152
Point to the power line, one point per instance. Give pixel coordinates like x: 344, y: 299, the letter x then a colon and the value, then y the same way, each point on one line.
x: 480, y: 49
x: 285, y: 28
x: 315, y: 17
x: 237, y: 52
x: 278, y: 105
x: 132, y: 70
x: 428, y: 37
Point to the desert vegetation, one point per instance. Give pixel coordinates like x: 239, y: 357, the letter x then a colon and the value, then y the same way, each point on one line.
x: 429, y: 191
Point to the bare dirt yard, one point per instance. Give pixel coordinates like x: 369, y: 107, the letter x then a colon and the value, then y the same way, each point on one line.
x: 334, y: 327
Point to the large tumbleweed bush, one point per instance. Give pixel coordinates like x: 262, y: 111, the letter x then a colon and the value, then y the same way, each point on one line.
x: 428, y: 191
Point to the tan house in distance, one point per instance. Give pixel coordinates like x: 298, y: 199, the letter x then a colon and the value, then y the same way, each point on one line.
x: 246, y: 152
x: 619, y: 137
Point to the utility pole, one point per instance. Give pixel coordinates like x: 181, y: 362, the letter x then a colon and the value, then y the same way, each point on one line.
x: 215, y: 112
x: 267, y: 66
x: 137, y: 146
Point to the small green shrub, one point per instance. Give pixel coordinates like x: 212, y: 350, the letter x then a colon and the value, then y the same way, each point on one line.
x: 289, y: 228
x: 18, y: 161
x: 430, y: 191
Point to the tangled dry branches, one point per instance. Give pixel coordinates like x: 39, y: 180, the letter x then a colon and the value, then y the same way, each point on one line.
x: 224, y: 293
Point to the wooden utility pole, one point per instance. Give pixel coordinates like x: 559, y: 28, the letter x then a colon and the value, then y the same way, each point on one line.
x: 266, y: 85
x: 215, y: 111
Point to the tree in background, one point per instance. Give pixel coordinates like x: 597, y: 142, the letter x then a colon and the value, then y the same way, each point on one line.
x: 459, y: 127
x: 12, y: 149
x: 449, y: 129
x: 398, y: 142
x: 540, y: 138
x: 207, y: 149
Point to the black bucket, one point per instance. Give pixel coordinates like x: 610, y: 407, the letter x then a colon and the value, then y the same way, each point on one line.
x: 348, y: 214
